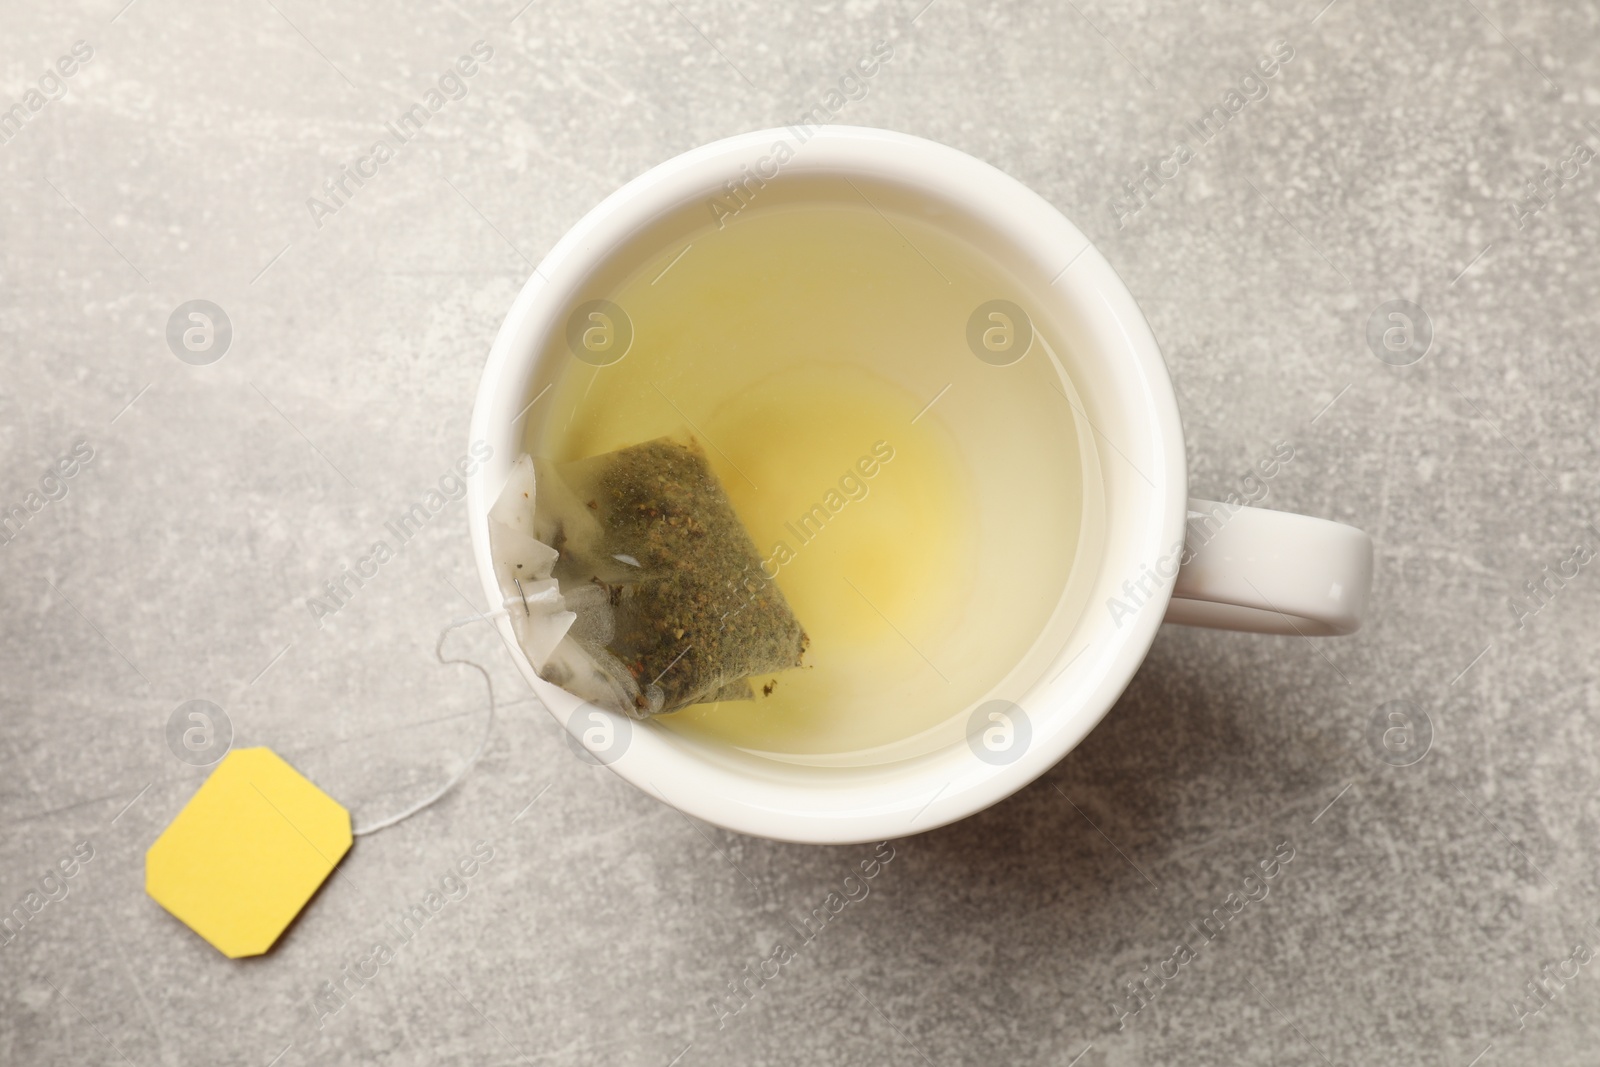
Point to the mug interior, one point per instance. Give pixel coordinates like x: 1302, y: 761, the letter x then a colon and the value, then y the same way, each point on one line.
x: 1122, y: 409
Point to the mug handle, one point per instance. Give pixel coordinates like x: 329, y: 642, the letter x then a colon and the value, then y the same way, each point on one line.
x: 1270, y: 572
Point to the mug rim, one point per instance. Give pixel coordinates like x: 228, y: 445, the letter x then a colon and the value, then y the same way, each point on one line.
x: 721, y: 791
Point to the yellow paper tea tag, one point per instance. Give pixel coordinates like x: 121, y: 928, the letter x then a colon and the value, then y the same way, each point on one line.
x: 246, y: 853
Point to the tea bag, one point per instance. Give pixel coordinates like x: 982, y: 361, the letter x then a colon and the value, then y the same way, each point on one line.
x: 632, y: 584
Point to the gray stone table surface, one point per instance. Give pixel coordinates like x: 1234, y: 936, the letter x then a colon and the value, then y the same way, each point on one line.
x: 1440, y: 153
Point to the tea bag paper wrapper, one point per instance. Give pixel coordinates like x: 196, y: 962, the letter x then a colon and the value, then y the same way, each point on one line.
x: 640, y: 591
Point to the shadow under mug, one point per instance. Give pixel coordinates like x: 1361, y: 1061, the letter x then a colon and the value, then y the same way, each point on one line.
x: 1165, y: 556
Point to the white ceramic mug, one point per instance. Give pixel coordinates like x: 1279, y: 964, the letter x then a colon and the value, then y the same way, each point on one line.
x: 1244, y: 568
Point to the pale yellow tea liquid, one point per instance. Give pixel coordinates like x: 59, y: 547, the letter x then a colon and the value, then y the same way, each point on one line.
x: 919, y: 507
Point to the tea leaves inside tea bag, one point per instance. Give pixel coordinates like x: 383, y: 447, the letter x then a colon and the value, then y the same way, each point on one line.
x: 667, y: 588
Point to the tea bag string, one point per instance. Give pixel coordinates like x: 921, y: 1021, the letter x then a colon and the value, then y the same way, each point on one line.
x: 483, y: 742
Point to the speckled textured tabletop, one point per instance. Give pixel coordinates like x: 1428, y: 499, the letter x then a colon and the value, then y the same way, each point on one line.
x: 1440, y: 895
